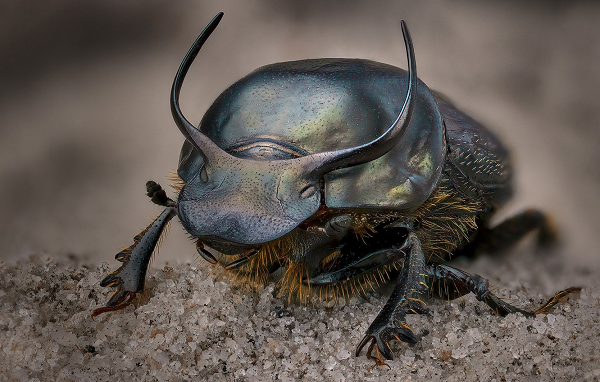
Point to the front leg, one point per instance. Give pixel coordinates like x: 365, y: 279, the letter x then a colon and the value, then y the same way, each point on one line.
x: 407, y: 298
x: 129, y: 279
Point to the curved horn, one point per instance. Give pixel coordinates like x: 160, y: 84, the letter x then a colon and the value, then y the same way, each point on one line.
x: 201, y: 142
x: 321, y: 163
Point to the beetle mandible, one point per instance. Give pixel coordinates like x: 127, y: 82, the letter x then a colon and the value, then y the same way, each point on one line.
x: 337, y: 175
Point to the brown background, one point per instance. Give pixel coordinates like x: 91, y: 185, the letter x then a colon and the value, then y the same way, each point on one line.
x: 85, y: 120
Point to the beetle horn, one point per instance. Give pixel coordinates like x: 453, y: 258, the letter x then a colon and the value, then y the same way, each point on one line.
x: 201, y: 142
x: 322, y: 163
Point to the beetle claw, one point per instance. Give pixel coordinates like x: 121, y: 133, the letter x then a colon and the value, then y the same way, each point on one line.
x: 376, y: 358
x: 119, y: 300
x: 382, y: 349
x: 381, y: 335
x: 117, y: 297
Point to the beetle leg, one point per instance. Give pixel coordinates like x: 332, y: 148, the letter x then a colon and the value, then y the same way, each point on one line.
x: 129, y: 278
x: 450, y: 283
x: 407, y: 298
x: 507, y: 233
x: 204, y: 253
x: 239, y: 262
x: 361, y: 255
x: 320, y: 241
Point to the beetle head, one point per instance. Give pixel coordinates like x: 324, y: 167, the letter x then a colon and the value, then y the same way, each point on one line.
x: 248, y: 201
x: 255, y: 200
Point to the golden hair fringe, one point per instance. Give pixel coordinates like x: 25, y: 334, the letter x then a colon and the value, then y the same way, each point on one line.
x: 176, y: 182
x: 444, y: 220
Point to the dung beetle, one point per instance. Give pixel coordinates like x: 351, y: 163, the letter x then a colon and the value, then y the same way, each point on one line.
x: 335, y: 176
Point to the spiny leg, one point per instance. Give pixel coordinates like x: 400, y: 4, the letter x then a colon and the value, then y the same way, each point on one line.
x: 359, y: 255
x: 507, y: 233
x: 407, y: 298
x: 129, y: 279
x: 449, y: 283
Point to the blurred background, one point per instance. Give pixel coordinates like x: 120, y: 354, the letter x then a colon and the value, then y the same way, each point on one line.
x: 85, y: 119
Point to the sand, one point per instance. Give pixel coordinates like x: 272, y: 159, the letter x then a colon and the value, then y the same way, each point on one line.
x: 196, y: 326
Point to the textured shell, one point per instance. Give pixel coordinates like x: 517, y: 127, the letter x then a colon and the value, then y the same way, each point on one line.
x: 478, y: 164
x: 319, y: 105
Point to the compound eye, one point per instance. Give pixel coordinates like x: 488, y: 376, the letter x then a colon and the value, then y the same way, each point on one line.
x: 203, y: 174
x: 308, y: 191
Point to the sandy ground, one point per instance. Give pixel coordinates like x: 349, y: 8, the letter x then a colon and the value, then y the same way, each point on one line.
x: 197, y: 327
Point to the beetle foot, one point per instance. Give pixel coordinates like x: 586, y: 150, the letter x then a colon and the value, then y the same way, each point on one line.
x: 558, y: 297
x: 390, y: 324
x: 381, y: 334
x: 376, y: 358
x: 121, y: 298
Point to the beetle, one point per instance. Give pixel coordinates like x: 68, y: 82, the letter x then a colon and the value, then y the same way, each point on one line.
x: 335, y: 176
